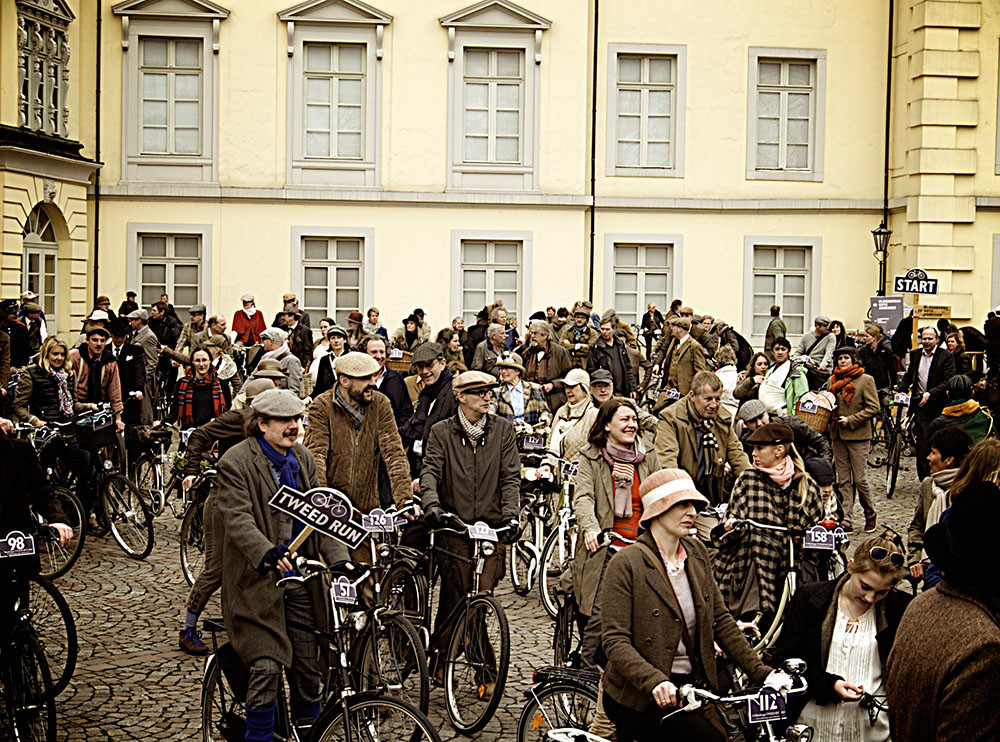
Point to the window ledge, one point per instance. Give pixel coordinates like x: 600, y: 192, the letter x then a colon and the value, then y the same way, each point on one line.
x: 331, y: 164
x: 646, y: 172
x: 486, y: 167
x: 799, y: 175
x: 170, y: 159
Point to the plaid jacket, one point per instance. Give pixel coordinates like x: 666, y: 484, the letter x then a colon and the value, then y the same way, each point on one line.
x: 535, y: 404
x: 757, y: 497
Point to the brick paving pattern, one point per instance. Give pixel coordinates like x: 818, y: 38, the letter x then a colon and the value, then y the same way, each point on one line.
x: 133, y: 683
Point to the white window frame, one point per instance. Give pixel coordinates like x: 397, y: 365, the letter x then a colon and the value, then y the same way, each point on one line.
x: 170, y: 168
x: 675, y: 244
x: 367, y: 237
x: 133, y: 272
x: 678, y: 54
x: 818, y: 58
x: 814, y: 246
x: 458, y: 236
x: 171, y: 72
x: 360, y: 172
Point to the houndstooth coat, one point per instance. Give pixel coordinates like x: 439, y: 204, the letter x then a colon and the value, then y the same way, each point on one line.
x: 757, y: 497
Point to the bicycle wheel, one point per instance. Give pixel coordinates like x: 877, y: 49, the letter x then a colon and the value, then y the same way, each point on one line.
x: 373, y: 718
x: 404, y: 589
x: 146, y: 476
x: 476, y: 664
x: 56, y: 630
x: 128, y: 516
x: 879, y: 448
x: 892, y: 464
x: 566, y: 637
x: 561, y: 705
x: 193, y: 541
x: 558, y: 552
x: 393, y: 660
x: 27, y: 689
x: 223, y: 718
x: 55, y: 558
x: 832, y: 565
x: 522, y: 555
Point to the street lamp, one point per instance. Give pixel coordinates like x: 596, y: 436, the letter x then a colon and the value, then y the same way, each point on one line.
x: 881, y: 237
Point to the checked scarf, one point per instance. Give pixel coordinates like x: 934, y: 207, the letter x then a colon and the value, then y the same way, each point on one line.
x: 475, y: 430
x: 843, y: 380
x: 185, y: 396
x: 708, y: 443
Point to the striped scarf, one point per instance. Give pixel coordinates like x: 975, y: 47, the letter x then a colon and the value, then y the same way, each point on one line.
x: 185, y: 396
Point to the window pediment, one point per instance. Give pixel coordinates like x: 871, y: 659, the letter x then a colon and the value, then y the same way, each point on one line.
x: 335, y: 11
x: 171, y: 9
x: 52, y: 11
x: 496, y: 14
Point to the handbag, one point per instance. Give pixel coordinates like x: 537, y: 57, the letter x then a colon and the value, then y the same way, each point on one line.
x: 710, y: 713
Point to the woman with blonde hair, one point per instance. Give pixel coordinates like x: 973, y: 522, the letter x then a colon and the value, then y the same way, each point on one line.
x: 46, y: 395
x: 751, y: 565
x: 956, y: 346
x: 844, y: 630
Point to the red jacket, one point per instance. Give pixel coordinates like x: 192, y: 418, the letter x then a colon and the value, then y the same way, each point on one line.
x: 248, y: 329
x: 110, y: 380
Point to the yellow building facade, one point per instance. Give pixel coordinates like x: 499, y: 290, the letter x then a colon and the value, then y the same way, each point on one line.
x: 444, y: 155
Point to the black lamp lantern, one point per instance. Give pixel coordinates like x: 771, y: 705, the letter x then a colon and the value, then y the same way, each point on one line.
x: 881, y: 237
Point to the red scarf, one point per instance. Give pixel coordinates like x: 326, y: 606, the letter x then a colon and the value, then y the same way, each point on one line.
x: 843, y: 379
x: 185, y: 396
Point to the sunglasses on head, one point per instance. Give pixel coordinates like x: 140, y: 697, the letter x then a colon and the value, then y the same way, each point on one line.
x: 880, y: 553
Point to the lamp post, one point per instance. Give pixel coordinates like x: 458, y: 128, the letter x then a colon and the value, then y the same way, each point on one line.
x: 881, y: 237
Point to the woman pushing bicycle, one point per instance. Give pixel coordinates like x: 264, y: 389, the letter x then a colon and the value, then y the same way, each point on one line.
x: 663, y: 614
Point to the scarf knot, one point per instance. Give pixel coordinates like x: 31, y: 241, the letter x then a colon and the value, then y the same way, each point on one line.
x: 623, y: 462
x: 782, y: 473
x: 286, y: 463
x: 843, y: 380
x: 474, y: 430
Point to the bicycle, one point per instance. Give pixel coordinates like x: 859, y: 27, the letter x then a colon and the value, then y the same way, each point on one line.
x: 820, y: 539
x: 28, y: 693
x: 524, y: 555
x: 192, y: 535
x: 349, y: 714
x: 475, y: 660
x: 149, y: 471
x: 559, y: 698
x: 56, y: 559
x: 54, y: 627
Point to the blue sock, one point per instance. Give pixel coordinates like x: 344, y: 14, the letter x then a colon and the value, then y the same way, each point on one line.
x: 305, y: 711
x: 260, y: 724
x: 190, y: 620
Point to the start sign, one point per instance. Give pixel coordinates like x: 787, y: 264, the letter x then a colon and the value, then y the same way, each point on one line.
x: 915, y: 281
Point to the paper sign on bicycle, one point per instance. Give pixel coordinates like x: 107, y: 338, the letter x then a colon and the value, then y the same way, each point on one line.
x: 767, y: 706
x: 382, y: 521
x: 17, y: 544
x: 344, y: 592
x: 818, y: 538
x: 323, y: 509
x: 482, y: 532
x: 902, y: 398
x: 672, y: 394
x: 570, y: 468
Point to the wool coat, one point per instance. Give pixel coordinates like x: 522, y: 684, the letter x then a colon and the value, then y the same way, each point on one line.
x: 4, y: 359
x: 579, y: 351
x: 111, y: 386
x: 347, y: 458
x: 686, y: 359
x: 551, y: 369
x: 676, y: 444
x: 594, y: 507
x: 864, y: 405
x: 941, y: 677
x: 535, y: 404
x: 613, y: 358
x: 485, y: 358
x: 757, y: 553
x: 253, y: 606
x: 642, y: 624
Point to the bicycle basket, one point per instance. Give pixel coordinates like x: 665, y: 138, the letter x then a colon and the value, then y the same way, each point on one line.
x: 816, y: 410
x: 97, y: 430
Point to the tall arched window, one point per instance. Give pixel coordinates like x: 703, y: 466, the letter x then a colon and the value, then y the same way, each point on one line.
x: 39, y: 273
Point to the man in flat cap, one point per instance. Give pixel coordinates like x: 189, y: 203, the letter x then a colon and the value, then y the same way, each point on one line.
x: 436, y: 402
x: 273, y: 341
x: 817, y: 348
x: 186, y: 344
x: 471, y: 469
x: 254, y: 553
x: 96, y: 370
x: 579, y: 336
x: 352, y: 429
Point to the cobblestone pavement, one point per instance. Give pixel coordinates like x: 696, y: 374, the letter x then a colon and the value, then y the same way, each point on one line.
x: 132, y: 683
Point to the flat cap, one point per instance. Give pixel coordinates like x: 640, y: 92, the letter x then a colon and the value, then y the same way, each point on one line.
x: 257, y: 386
x: 822, y: 319
x: 131, y: 293
x: 427, y: 353
x: 98, y: 330
x: 684, y: 322
x: 139, y: 314
x: 601, y: 376
x: 510, y: 360
x: 268, y: 373
x: 751, y: 410
x: 217, y: 340
x: 771, y: 434
x: 845, y: 349
x: 197, y: 309
x: 337, y: 330
x: 30, y: 306
x: 274, y: 334
x: 246, y: 297
x: 356, y: 365
x: 581, y: 310
x: 470, y: 381
x: 278, y: 403
x: 609, y: 316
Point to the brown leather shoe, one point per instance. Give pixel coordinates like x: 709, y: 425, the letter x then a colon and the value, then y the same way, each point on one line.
x: 191, y: 643
x: 871, y: 524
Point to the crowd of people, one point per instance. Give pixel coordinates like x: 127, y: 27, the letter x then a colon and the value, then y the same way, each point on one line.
x: 693, y: 418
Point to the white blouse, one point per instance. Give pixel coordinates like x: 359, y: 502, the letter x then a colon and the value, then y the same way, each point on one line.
x: 854, y: 657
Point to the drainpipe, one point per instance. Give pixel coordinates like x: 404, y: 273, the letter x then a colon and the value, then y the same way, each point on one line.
x: 885, y: 167
x: 593, y: 154
x: 97, y: 155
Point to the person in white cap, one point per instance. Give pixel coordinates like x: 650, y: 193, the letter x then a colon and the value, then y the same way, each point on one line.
x: 352, y: 430
x: 255, y: 549
x: 248, y: 323
x: 663, y: 617
x: 573, y: 421
x: 273, y: 342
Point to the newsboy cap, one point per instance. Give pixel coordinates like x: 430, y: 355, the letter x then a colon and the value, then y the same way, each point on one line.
x: 751, y: 410
x: 427, y: 353
x: 274, y: 334
x: 30, y: 306
x: 337, y: 330
x: 217, y: 340
x: 256, y: 387
x: 98, y: 330
x: 197, y: 309
x: 471, y: 381
x: 356, y: 365
x: 601, y: 376
x: 278, y: 403
x: 139, y: 314
x: 822, y: 319
x: 771, y: 435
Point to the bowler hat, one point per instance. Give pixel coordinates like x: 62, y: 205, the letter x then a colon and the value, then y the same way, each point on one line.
x: 772, y: 434
x: 471, y: 381
x: 665, y: 488
x: 278, y: 403
x: 849, y: 350
x: 268, y: 373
